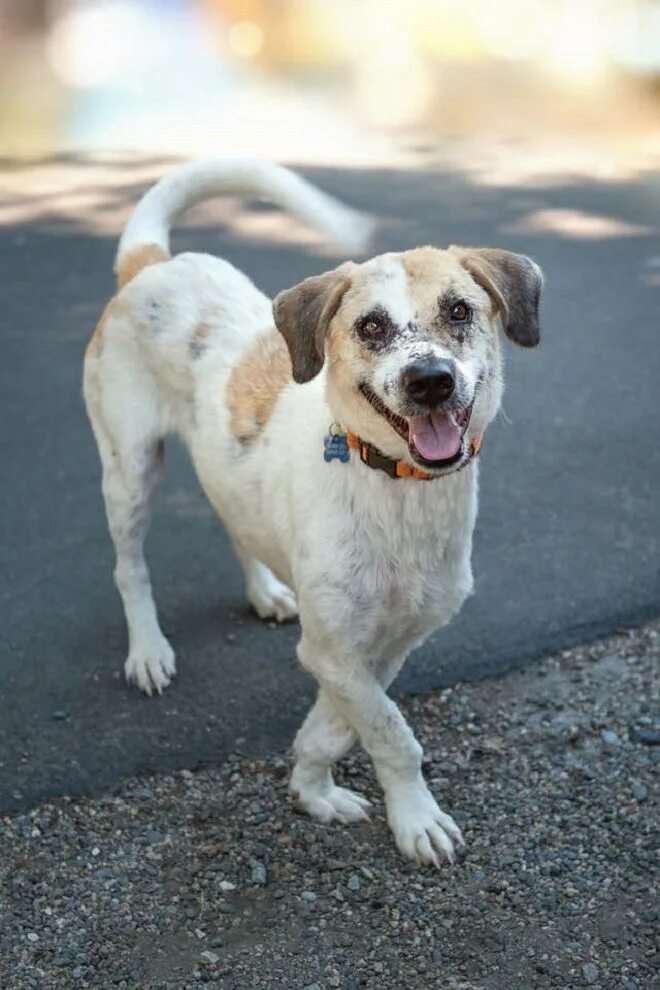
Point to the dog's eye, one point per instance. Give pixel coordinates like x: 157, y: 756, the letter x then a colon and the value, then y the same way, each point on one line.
x: 375, y: 327
x: 371, y: 328
x: 460, y: 312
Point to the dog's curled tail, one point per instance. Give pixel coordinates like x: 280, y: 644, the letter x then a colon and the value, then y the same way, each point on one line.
x: 145, y: 240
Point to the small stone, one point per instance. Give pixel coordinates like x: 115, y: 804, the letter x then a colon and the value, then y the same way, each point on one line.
x: 32, y: 937
x: 610, y: 738
x: 96, y: 851
x: 226, y: 886
x: 353, y: 882
x: 590, y: 973
x: 648, y: 737
x: 210, y: 958
x: 259, y: 875
x: 60, y: 715
x: 640, y: 792
x: 308, y: 895
x: 199, y: 933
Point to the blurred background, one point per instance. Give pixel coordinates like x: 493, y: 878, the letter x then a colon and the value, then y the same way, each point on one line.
x: 516, y: 90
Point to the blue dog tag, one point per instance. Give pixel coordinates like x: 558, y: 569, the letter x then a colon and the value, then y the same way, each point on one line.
x: 336, y: 448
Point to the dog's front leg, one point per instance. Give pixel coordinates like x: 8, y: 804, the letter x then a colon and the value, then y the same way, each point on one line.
x: 324, y: 738
x: 352, y: 693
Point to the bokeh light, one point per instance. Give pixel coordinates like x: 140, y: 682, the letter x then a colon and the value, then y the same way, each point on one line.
x: 94, y: 44
x: 347, y: 81
x: 246, y: 39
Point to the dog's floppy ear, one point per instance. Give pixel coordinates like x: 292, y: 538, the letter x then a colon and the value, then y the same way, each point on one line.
x: 303, y: 314
x: 514, y: 282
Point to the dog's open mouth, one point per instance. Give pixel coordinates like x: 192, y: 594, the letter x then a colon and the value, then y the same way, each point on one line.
x: 435, y: 440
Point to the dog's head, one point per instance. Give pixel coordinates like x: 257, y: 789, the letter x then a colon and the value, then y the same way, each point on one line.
x: 411, y: 344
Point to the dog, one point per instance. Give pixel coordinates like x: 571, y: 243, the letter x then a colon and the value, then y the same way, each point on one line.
x: 336, y: 432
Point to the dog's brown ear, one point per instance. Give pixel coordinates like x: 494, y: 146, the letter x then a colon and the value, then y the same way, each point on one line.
x: 514, y: 282
x: 303, y: 315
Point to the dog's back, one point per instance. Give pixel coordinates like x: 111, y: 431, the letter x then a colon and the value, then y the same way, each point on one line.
x: 178, y: 312
x: 175, y: 326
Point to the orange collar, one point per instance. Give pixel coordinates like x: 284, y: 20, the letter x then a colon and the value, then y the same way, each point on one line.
x: 373, y: 458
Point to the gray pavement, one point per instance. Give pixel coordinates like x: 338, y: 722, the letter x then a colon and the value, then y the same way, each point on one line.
x: 569, y: 526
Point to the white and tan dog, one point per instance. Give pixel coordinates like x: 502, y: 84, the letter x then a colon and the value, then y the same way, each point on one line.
x: 334, y: 432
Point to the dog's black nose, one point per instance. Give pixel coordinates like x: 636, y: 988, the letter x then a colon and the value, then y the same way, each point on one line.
x: 429, y: 382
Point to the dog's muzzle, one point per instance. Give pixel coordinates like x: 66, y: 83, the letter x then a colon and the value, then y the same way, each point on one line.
x: 429, y: 383
x: 436, y: 439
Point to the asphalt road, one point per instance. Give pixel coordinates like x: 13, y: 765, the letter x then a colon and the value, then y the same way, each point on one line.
x: 568, y: 533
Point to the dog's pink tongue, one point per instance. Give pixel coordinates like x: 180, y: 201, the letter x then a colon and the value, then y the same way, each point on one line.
x: 436, y: 437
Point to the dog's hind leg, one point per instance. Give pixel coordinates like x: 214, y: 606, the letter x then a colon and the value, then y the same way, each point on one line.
x: 129, y: 480
x: 268, y: 596
x: 324, y: 738
x: 130, y: 442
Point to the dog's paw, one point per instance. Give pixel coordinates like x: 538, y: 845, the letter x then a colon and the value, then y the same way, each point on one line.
x: 422, y: 831
x: 270, y: 598
x: 151, y: 668
x: 331, y: 803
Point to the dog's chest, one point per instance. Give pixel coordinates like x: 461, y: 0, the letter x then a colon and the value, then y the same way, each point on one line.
x: 409, y: 574
x: 404, y: 558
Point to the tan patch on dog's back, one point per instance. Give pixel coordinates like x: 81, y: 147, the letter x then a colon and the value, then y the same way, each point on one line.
x: 130, y: 265
x: 255, y: 384
x: 137, y: 258
x: 96, y: 341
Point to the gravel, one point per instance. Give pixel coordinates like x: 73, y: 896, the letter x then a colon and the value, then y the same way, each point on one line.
x: 210, y: 879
